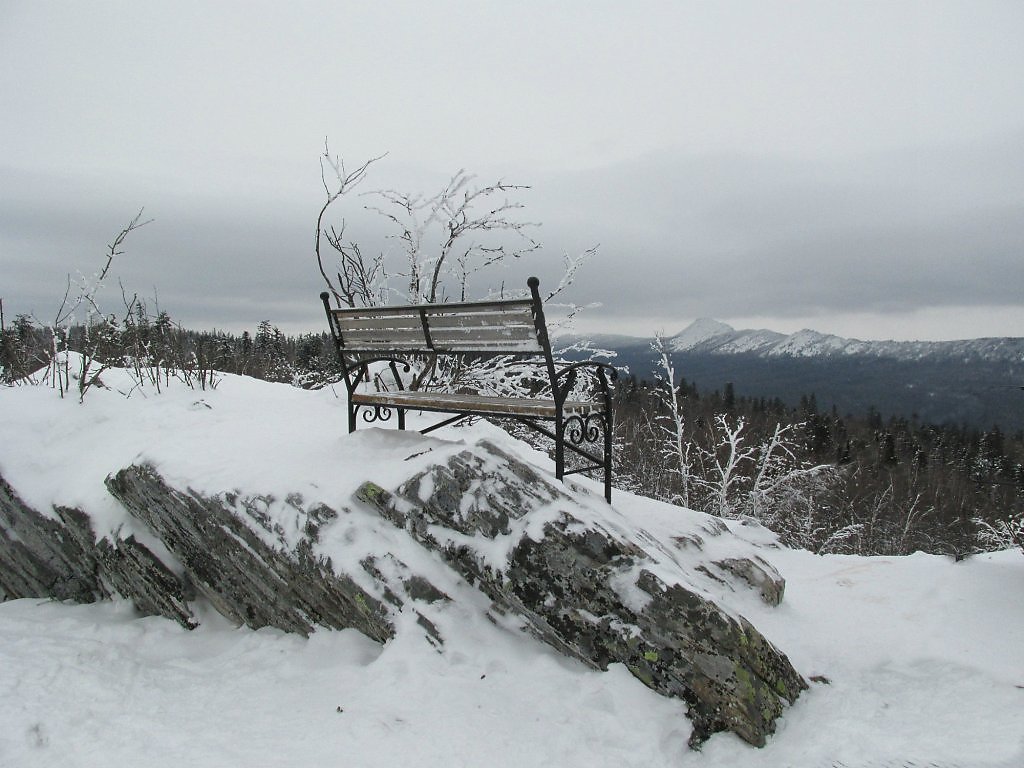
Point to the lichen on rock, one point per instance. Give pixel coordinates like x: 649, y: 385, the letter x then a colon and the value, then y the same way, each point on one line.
x: 592, y: 593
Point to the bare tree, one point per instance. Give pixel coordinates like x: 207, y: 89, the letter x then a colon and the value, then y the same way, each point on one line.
x: 778, y: 469
x: 444, y: 238
x: 458, y: 231
x: 357, y: 281
x: 727, y: 458
x: 676, y: 448
x: 94, y: 323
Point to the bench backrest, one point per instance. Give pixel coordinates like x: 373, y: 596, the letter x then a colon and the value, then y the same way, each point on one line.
x: 485, y: 327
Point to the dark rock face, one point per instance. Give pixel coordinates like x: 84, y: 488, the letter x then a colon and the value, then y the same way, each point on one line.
x: 594, y: 594
x: 244, y: 577
x: 215, y: 546
x: 61, y: 559
x: 136, y: 574
x: 43, y: 557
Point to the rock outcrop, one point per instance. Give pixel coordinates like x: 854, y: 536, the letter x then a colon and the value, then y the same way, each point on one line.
x: 42, y: 556
x: 578, y: 578
x: 594, y: 593
x: 218, y: 543
x: 61, y: 558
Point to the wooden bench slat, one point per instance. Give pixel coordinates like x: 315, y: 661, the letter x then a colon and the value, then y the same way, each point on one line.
x: 520, y: 347
x: 478, y: 307
x: 446, y: 401
x: 411, y: 323
x: 440, y: 323
x: 370, y: 347
x: 383, y: 311
x: 515, y: 316
x: 413, y: 310
x: 396, y: 341
x: 384, y: 336
x: 486, y: 335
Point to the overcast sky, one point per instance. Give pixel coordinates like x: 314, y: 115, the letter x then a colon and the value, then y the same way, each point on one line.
x: 852, y: 167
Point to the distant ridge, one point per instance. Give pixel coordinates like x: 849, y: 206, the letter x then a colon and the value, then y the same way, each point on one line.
x: 715, y: 337
x: 973, y: 382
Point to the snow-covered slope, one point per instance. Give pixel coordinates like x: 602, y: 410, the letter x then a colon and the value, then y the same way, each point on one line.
x: 921, y: 654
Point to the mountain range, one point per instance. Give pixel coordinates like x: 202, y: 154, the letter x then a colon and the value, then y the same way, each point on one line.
x: 975, y: 382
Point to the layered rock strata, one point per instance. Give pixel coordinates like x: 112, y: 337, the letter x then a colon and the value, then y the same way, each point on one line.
x: 595, y: 594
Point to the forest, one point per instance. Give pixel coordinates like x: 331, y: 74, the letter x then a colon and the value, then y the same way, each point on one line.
x: 869, y: 484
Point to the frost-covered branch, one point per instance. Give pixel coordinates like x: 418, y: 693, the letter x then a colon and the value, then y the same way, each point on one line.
x: 458, y: 231
x: 677, y: 447
x: 727, y: 458
x: 95, y: 325
x: 356, y: 281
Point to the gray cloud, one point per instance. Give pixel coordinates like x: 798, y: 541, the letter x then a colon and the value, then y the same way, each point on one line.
x: 721, y: 235
x: 734, y: 235
x: 732, y: 159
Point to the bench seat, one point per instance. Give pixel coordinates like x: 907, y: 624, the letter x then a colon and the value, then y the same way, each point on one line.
x: 538, y: 408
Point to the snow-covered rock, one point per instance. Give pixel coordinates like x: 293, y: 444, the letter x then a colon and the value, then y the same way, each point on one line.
x: 232, y: 553
x: 590, y: 589
x: 42, y: 557
x: 516, y: 545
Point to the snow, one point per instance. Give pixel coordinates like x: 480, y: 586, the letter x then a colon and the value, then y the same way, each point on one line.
x: 698, y: 332
x: 924, y: 656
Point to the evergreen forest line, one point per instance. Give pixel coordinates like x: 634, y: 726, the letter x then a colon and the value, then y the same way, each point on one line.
x: 864, y: 484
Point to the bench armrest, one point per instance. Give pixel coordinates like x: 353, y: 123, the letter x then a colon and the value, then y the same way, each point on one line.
x: 362, y: 366
x: 612, y: 370
x: 565, y: 379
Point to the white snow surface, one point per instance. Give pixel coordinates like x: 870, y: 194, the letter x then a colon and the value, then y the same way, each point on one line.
x: 924, y: 656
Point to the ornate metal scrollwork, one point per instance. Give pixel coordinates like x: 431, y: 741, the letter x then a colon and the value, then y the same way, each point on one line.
x: 584, y: 429
x: 377, y: 413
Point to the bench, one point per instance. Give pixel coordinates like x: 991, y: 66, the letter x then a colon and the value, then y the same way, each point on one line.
x: 369, y: 339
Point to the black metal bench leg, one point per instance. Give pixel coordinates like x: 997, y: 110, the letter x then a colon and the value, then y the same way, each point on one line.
x: 352, y: 418
x: 559, y: 448
x: 401, y: 418
x: 608, y: 457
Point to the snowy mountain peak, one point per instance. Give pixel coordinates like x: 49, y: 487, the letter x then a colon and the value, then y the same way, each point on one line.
x: 699, y: 331
x: 806, y: 342
x: 707, y: 335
